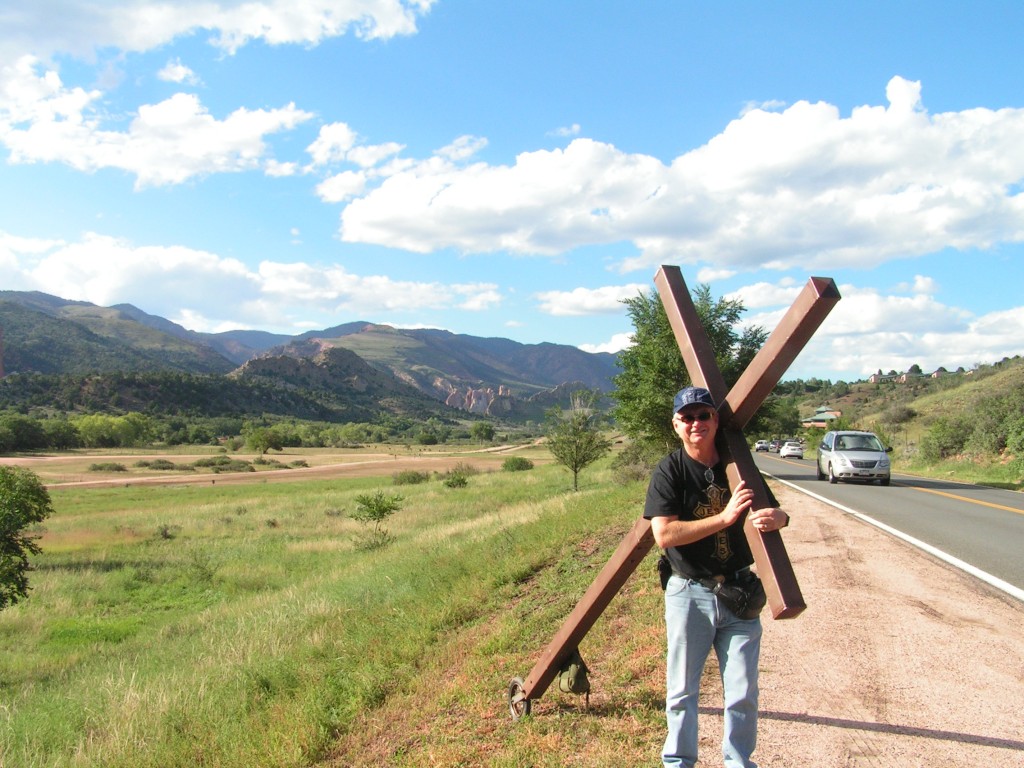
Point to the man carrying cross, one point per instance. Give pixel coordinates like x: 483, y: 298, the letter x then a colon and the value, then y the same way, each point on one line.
x: 699, y: 524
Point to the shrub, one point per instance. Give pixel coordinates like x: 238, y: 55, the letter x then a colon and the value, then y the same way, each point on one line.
x: 25, y: 503
x: 635, y: 463
x: 375, y: 508
x: 108, y: 466
x: 516, y: 464
x: 455, y: 479
x: 410, y: 477
x: 167, y: 532
x: 945, y: 438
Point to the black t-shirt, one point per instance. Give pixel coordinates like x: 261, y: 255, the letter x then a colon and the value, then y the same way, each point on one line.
x: 678, y: 488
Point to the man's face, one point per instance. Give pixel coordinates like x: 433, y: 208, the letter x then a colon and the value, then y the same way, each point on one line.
x: 696, y: 425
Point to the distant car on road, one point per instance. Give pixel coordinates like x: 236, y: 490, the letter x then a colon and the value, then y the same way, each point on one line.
x: 774, y: 445
x: 791, y: 450
x: 761, y: 445
x: 853, y: 455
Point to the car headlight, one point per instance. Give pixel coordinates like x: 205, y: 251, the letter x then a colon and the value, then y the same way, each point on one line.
x: 842, y: 461
x: 883, y: 463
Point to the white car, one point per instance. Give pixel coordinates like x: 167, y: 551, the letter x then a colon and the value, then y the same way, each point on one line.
x: 791, y: 450
x: 761, y: 445
x: 854, y: 455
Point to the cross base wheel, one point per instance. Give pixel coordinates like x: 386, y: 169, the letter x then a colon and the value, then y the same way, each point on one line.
x: 518, y: 704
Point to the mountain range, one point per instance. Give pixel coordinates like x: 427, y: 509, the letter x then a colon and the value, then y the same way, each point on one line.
x: 356, y: 366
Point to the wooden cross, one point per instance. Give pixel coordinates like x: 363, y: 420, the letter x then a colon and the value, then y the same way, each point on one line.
x: 736, y: 408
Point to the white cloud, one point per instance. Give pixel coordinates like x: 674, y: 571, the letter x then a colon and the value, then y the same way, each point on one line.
x: 190, y: 286
x: 760, y: 295
x: 565, y: 131
x: 804, y: 187
x: 341, y: 186
x: 588, y: 301
x: 82, y: 27
x: 332, y: 143
x: 616, y: 343
x: 165, y: 143
x: 176, y: 72
x: 714, y: 274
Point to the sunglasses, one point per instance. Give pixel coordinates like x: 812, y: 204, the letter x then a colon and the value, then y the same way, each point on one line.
x: 689, y: 418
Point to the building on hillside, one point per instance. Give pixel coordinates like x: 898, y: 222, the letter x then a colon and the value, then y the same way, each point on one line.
x: 822, y: 417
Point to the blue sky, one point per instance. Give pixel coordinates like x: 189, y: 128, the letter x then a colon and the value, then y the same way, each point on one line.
x: 516, y: 169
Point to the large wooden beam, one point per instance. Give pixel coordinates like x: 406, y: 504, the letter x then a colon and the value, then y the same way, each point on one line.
x: 634, y: 547
x: 736, y: 408
x: 738, y: 405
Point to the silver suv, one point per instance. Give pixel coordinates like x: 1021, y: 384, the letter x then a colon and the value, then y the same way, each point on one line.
x: 853, y: 455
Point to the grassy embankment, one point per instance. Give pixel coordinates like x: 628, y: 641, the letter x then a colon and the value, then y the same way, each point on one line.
x: 237, y: 625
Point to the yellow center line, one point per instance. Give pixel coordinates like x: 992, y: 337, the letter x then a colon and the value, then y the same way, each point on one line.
x: 964, y: 498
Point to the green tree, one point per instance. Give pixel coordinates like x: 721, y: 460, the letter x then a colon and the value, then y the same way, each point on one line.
x: 375, y: 508
x: 482, y: 431
x: 263, y: 439
x: 574, y: 438
x: 23, y: 501
x: 653, y: 369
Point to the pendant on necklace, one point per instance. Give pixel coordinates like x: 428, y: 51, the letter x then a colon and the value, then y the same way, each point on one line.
x: 709, y: 474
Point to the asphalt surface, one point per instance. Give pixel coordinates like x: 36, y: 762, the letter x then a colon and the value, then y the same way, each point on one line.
x: 979, y: 527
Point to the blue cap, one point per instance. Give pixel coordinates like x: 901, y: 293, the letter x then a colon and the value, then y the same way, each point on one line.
x: 693, y: 396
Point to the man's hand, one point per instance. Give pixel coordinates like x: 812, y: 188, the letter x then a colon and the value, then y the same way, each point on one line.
x: 738, y: 504
x: 768, y: 519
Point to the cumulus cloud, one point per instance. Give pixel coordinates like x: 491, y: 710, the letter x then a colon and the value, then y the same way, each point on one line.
x: 176, y: 72
x: 82, y: 27
x: 165, y: 143
x: 588, y: 301
x: 188, y: 285
x: 616, y: 343
x: 871, y: 329
x: 804, y: 187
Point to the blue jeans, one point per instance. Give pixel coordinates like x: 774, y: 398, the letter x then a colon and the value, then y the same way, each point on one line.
x: 696, y: 623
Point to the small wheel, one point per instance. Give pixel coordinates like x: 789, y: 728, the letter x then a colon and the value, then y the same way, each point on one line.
x: 518, y: 704
x: 817, y: 469
x: 884, y: 481
x: 832, y: 475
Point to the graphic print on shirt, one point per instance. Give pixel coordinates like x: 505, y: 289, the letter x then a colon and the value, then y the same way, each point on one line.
x: 717, y: 498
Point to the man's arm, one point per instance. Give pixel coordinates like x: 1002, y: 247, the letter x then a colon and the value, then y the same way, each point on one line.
x: 670, y: 531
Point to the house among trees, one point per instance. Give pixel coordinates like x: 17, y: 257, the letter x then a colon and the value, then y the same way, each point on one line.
x: 912, y: 373
x: 822, y: 417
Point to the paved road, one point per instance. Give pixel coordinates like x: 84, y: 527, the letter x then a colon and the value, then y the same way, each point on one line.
x: 983, y: 527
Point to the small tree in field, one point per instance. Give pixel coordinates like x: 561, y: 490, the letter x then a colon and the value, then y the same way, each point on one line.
x: 574, y: 438
x: 375, y: 508
x: 23, y: 501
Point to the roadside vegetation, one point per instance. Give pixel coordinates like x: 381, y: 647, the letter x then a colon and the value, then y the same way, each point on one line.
x: 244, y: 625
x: 270, y: 623
x: 967, y: 426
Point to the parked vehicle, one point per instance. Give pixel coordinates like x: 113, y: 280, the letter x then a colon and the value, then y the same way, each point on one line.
x: 853, y: 455
x: 761, y: 445
x: 791, y: 450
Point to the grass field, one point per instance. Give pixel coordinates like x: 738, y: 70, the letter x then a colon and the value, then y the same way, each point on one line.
x: 238, y: 625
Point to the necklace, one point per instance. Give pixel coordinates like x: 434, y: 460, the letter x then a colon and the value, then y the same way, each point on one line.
x: 709, y: 472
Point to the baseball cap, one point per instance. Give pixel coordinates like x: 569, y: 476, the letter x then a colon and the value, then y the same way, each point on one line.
x: 692, y: 396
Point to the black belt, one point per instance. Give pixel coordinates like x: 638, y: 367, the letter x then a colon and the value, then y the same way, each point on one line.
x: 733, y: 576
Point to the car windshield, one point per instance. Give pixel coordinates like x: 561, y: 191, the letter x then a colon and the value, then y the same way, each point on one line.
x: 858, y: 443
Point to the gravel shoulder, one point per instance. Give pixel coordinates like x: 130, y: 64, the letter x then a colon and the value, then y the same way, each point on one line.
x: 899, y: 659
